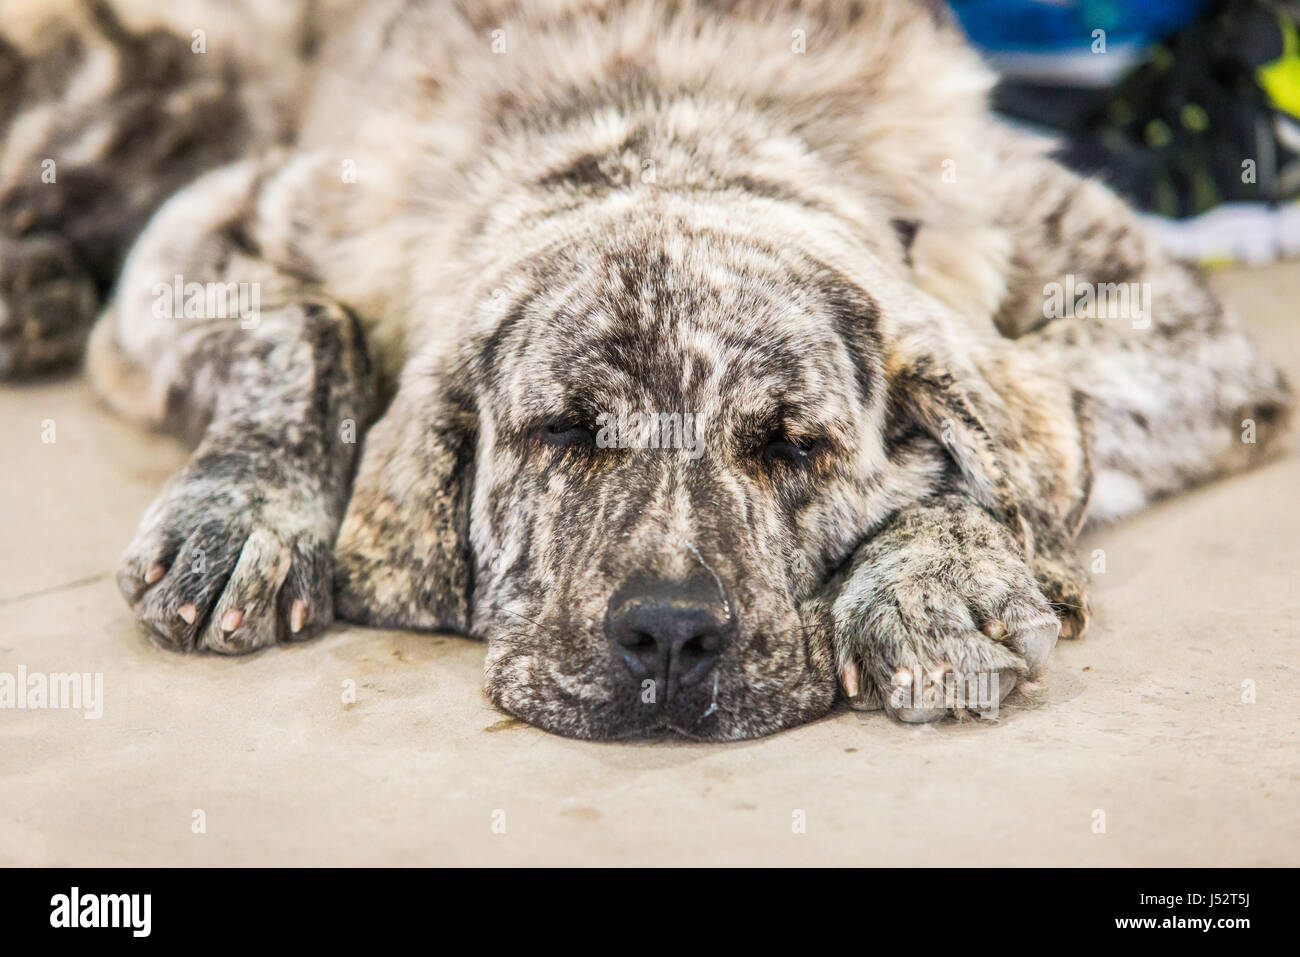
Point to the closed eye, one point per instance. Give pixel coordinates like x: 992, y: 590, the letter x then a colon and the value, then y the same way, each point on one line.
x: 780, y: 449
x: 566, y: 434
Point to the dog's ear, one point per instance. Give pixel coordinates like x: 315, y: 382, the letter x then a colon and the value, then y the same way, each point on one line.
x: 945, y: 402
x: 403, y: 554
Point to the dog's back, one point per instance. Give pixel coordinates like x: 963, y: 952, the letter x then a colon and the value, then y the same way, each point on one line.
x: 466, y: 122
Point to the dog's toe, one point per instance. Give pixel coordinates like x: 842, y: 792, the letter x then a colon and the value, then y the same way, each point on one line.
x: 245, y: 615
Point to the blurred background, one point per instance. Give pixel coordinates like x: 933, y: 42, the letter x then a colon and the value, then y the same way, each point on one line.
x: 1189, y: 108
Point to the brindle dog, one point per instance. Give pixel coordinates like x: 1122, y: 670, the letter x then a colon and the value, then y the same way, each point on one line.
x: 537, y: 241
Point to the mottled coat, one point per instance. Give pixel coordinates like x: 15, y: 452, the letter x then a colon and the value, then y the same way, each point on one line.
x: 486, y: 226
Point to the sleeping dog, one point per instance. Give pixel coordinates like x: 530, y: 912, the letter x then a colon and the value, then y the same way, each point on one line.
x: 436, y: 291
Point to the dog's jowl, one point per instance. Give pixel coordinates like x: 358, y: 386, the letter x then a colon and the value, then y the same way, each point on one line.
x: 590, y: 330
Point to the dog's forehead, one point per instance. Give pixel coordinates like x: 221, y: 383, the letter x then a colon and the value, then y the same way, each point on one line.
x: 675, y: 323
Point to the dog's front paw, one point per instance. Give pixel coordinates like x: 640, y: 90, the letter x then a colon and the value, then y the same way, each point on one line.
x: 230, y: 560
x: 47, y: 304
x: 939, y: 615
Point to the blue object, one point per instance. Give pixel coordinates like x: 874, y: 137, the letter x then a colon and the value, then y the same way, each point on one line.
x: 1048, y: 26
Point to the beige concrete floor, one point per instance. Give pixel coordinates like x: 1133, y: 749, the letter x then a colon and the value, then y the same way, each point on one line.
x: 1143, y: 720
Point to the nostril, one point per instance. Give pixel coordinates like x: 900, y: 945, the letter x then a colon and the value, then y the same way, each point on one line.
x: 637, y: 641
x: 641, y: 652
x: 697, y: 656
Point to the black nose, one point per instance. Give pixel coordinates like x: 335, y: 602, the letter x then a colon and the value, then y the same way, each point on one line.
x: 673, y: 632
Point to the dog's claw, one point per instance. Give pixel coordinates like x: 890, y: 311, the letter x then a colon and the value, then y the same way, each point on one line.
x: 851, y: 678
x: 1035, y: 645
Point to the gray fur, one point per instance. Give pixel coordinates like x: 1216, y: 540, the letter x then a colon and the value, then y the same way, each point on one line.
x: 794, y: 222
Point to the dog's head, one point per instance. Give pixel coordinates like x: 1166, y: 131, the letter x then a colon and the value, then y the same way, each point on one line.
x: 636, y: 474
